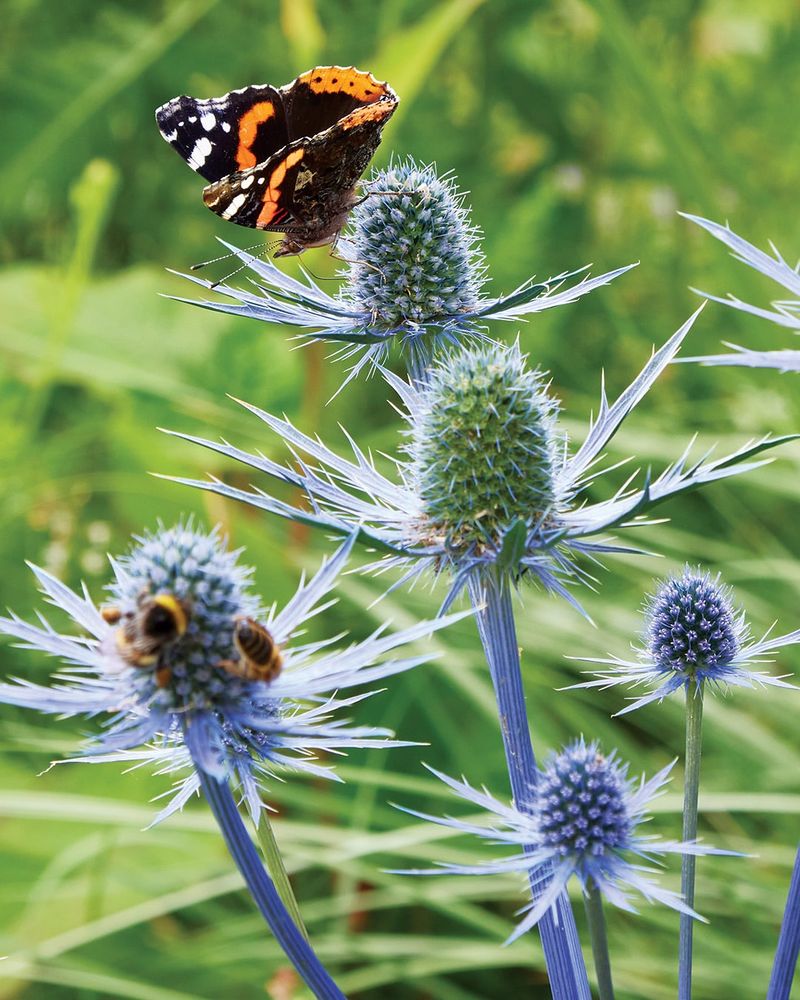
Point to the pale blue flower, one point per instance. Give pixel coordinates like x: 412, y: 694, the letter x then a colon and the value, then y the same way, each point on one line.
x: 784, y: 312
x: 414, y: 276
x: 582, y: 821
x: 488, y: 482
x: 192, y: 714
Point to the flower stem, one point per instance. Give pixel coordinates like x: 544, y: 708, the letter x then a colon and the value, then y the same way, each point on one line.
x: 694, y: 729
x: 562, y: 951
x: 298, y: 950
x: 593, y: 901
x: 277, y: 870
x: 780, y: 983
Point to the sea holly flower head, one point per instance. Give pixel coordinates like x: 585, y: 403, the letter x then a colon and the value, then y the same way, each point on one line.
x: 487, y: 487
x: 414, y: 276
x: 485, y: 447
x: 416, y: 254
x: 692, y: 626
x: 693, y: 637
x: 582, y: 820
x: 784, y: 312
x: 192, y: 675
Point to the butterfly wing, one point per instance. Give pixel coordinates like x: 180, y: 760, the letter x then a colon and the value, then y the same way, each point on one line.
x: 326, y: 94
x: 306, y: 187
x: 224, y: 134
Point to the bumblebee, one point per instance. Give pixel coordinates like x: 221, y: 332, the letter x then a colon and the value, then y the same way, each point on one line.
x: 143, y: 634
x: 259, y: 657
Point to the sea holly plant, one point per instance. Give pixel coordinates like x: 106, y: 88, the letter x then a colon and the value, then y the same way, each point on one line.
x: 488, y: 495
x: 582, y: 821
x: 694, y: 640
x: 784, y: 312
x: 167, y: 667
x: 415, y: 276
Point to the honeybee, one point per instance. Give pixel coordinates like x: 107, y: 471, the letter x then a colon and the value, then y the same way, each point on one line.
x: 143, y: 634
x: 260, y: 658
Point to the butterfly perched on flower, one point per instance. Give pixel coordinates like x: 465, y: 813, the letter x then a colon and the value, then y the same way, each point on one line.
x: 284, y: 159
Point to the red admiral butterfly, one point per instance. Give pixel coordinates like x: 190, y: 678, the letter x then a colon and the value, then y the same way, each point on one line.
x: 284, y: 159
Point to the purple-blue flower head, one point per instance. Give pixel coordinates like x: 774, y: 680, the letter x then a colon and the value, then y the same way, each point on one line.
x: 583, y: 821
x: 414, y: 276
x: 487, y: 482
x: 189, y: 671
x: 784, y: 312
x: 693, y: 637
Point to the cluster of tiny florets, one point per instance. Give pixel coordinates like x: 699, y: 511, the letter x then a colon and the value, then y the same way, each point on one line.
x: 581, y: 802
x: 691, y: 624
x: 416, y: 260
x: 197, y: 569
x: 484, y: 446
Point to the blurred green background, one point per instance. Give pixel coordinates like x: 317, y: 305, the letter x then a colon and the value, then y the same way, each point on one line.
x: 579, y: 129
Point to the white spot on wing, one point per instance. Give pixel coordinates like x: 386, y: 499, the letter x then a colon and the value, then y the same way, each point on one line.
x: 208, y: 121
x: 226, y: 126
x: 247, y: 182
x: 202, y: 149
x: 235, y: 205
x: 192, y: 119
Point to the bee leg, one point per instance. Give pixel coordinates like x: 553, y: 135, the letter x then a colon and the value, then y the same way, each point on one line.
x: 234, y: 667
x: 110, y: 615
x: 163, y: 676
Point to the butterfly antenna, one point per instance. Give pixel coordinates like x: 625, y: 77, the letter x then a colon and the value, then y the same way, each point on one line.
x: 264, y: 249
x: 225, y: 256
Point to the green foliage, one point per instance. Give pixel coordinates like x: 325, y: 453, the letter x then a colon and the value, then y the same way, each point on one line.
x: 579, y: 127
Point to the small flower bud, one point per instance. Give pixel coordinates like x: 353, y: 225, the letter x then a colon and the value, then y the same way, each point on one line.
x: 581, y: 802
x: 691, y: 625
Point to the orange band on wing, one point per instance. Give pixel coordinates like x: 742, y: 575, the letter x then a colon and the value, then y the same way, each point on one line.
x: 273, y: 192
x: 345, y: 80
x: 248, y: 130
x: 371, y: 113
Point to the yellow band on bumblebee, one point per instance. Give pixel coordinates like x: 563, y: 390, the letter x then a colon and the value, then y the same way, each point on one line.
x: 175, y: 608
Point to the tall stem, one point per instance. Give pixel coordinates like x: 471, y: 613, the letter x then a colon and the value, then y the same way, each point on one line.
x: 593, y: 901
x: 694, y: 739
x: 562, y: 951
x: 297, y: 949
x: 780, y: 983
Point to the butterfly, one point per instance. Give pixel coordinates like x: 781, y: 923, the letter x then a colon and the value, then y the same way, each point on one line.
x: 284, y: 159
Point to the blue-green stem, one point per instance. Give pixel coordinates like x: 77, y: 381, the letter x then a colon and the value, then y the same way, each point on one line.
x: 780, y: 983
x: 593, y: 901
x: 491, y: 595
x: 694, y: 739
x: 297, y: 949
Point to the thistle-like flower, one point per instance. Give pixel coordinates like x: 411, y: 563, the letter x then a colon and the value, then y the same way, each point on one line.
x: 693, y: 638
x: 487, y: 482
x: 193, y: 675
x: 784, y: 312
x: 415, y: 276
x: 583, y: 821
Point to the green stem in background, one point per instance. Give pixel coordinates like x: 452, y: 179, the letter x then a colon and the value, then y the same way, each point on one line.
x: 277, y: 870
x: 694, y: 728
x: 593, y: 901
x: 92, y: 196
